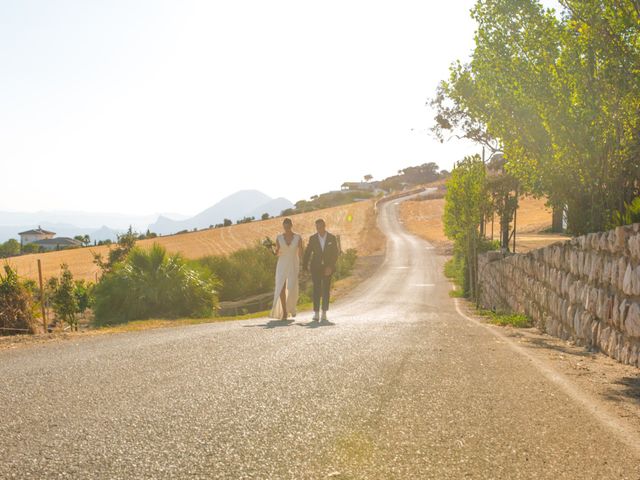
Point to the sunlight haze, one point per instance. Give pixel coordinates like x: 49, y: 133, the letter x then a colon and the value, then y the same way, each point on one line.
x: 143, y: 107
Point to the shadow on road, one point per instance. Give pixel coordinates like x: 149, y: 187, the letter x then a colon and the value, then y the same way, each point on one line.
x: 551, y: 344
x: 316, y: 324
x: 631, y: 389
x: 288, y: 323
x: 273, y: 324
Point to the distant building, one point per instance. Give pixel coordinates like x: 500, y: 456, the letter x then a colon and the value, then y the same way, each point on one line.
x: 46, y: 240
x: 362, y: 186
x: 57, y: 243
x: 35, y: 235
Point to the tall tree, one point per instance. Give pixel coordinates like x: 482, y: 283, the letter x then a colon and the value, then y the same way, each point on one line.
x: 466, y: 202
x: 560, y: 96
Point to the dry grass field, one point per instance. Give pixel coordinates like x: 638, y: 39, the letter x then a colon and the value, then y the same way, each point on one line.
x: 355, y: 223
x: 424, y: 218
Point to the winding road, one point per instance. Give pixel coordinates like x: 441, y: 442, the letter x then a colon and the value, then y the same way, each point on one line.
x: 401, y: 386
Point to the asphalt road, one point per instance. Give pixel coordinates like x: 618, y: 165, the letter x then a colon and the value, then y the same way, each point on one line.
x: 401, y: 386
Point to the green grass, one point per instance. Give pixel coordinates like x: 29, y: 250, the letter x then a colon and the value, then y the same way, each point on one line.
x: 456, y: 293
x: 454, y: 271
x: 516, y: 320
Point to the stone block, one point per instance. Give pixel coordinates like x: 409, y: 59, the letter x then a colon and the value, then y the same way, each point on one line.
x: 611, y: 241
x: 621, y: 239
x: 603, y: 242
x: 634, y: 247
x: 632, y: 321
x: 622, y: 268
x: 627, y: 282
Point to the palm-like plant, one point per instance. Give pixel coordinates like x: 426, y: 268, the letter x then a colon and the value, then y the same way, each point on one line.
x: 630, y: 214
x: 151, y: 283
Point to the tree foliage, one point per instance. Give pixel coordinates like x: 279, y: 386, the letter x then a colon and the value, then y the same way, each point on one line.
x: 10, y: 248
x: 560, y: 95
x: 466, y: 202
x: 64, y: 299
x: 16, y: 304
x: 126, y: 242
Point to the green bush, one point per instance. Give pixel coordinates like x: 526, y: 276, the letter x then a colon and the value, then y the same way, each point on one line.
x: 244, y: 273
x: 10, y: 248
x: 16, y: 304
x: 454, y: 270
x: 64, y: 299
x: 153, y: 284
x: 630, y: 214
x: 345, y: 264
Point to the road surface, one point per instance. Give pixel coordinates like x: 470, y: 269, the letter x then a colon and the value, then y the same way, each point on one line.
x: 401, y: 386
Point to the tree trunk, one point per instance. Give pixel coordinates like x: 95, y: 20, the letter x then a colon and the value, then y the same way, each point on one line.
x: 556, y: 220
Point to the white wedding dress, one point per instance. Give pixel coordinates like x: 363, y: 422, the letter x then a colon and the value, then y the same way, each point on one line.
x: 287, y: 273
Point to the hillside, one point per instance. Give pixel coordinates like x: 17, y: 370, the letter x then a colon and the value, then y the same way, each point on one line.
x: 424, y: 218
x: 355, y: 223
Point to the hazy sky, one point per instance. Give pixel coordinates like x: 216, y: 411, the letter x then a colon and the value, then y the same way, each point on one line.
x: 156, y: 106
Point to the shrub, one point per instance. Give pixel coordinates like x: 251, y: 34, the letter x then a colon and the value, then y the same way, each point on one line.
x: 84, y: 295
x: 64, y: 299
x: 10, y: 248
x: 345, y: 264
x: 454, y: 271
x: 126, y: 242
x: 153, y: 284
x: 244, y: 273
x: 16, y: 304
x: 630, y: 214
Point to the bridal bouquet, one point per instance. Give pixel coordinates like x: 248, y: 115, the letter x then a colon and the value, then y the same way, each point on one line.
x: 270, y: 244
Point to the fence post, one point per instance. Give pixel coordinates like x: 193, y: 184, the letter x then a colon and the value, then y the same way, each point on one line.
x: 44, y: 311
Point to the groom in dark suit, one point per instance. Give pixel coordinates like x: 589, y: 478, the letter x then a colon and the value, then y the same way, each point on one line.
x: 322, y: 251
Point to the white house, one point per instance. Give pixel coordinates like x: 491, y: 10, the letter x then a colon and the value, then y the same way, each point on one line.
x: 46, y: 240
x: 35, y: 235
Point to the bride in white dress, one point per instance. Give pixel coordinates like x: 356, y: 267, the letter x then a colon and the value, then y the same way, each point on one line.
x: 289, y: 250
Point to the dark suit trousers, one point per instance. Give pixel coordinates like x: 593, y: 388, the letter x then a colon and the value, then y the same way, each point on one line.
x: 321, y: 289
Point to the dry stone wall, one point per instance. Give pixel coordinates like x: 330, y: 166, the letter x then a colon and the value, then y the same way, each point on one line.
x: 586, y: 289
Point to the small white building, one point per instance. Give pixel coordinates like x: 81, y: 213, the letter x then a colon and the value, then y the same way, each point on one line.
x: 35, y: 235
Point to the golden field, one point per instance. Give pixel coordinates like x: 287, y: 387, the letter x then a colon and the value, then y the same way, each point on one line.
x: 424, y: 219
x: 355, y: 223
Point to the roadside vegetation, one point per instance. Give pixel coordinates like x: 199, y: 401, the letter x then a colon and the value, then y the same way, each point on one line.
x: 153, y: 284
x: 554, y: 97
x: 244, y: 273
x: 144, y: 285
x: 516, y: 320
x: 17, y: 306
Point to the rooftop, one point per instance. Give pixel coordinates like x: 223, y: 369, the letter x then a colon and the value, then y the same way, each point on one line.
x: 37, y: 231
x: 61, y: 241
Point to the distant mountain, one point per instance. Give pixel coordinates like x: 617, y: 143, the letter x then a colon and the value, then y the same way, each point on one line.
x: 245, y: 203
x: 273, y: 208
x: 80, y: 220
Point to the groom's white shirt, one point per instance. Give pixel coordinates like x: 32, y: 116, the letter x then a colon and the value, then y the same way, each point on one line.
x: 322, y: 240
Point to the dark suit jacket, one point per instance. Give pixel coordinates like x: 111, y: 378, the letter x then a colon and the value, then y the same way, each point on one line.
x: 320, y: 259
